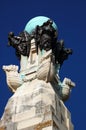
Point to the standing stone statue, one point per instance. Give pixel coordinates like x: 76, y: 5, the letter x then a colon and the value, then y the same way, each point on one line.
x: 37, y: 87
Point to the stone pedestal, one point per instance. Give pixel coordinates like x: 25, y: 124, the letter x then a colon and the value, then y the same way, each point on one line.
x: 36, y: 106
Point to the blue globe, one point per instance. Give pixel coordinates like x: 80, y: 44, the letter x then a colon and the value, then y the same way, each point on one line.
x: 39, y: 20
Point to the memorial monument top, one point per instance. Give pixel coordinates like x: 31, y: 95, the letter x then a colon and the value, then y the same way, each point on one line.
x: 37, y: 102
x: 41, y: 53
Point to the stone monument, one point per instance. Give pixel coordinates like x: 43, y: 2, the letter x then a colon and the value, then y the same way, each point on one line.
x: 38, y: 93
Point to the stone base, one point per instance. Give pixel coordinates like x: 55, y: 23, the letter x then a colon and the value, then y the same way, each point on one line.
x: 36, y: 106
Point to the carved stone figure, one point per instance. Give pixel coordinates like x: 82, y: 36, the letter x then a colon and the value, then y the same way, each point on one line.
x: 21, y: 43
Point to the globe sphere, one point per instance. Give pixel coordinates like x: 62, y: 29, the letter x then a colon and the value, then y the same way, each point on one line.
x: 39, y: 20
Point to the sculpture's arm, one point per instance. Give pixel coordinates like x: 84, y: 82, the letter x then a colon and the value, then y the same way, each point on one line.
x: 13, y: 77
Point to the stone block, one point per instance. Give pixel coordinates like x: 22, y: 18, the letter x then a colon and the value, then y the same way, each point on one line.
x: 56, y: 121
x: 57, y: 108
x: 63, y: 127
x: 34, y: 124
x: 11, y: 126
x: 70, y: 125
x: 2, y: 128
x: 48, y: 128
x: 24, y: 115
x: 65, y: 114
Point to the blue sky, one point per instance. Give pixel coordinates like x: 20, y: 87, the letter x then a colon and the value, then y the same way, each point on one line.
x: 70, y: 17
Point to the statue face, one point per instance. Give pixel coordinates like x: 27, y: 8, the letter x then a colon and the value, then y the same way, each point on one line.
x: 45, y: 42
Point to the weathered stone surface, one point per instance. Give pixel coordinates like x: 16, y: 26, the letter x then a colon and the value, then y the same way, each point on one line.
x: 36, y: 103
